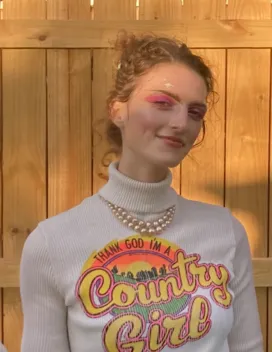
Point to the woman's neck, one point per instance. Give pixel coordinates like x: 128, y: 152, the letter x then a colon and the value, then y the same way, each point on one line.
x: 138, y: 196
x: 142, y: 171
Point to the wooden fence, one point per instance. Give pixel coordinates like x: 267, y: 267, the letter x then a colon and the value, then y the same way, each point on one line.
x: 55, y: 71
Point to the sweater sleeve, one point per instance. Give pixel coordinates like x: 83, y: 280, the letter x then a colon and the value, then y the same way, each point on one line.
x: 245, y: 335
x: 44, y: 310
x: 2, y: 348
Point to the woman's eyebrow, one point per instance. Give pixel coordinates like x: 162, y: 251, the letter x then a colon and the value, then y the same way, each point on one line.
x: 178, y: 99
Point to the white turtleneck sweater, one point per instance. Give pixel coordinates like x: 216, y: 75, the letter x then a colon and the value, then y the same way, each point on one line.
x: 2, y: 348
x: 90, y: 284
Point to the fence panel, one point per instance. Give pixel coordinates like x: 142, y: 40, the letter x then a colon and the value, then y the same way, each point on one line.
x: 247, y: 139
x: 1, y: 195
x: 60, y: 162
x: 249, y: 9
x: 24, y: 153
x: 205, y: 9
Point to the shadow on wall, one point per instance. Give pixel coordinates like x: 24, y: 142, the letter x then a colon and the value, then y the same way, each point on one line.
x: 251, y: 204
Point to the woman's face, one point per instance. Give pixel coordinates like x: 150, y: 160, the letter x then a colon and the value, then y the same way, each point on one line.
x: 164, y: 115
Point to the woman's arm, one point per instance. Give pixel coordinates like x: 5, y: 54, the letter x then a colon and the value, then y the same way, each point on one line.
x: 246, y: 333
x: 44, y: 310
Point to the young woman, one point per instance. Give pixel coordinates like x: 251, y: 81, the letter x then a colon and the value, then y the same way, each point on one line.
x: 136, y: 267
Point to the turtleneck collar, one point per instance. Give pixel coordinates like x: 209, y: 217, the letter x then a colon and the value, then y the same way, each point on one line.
x: 136, y: 196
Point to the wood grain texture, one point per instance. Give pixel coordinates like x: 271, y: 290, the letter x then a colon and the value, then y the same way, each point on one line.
x: 9, y: 273
x: 249, y: 9
x: 80, y: 112
x: 24, y: 9
x: 102, y: 34
x: 115, y: 9
x: 247, y: 138
x: 79, y: 9
x: 269, y: 319
x: 57, y: 10
x: 269, y: 327
x: 59, y: 166
x: 24, y: 165
x: 164, y: 10
x: 103, y: 75
x: 24, y: 154
x: 69, y: 118
x: 80, y: 120
x: 1, y: 194
x: 1, y: 9
x: 204, y: 9
x: 262, y: 271
x: 160, y: 10
x: 252, y: 185
x: 203, y: 170
x: 24, y: 162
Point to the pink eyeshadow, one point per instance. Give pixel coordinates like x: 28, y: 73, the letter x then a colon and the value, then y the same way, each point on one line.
x: 159, y: 98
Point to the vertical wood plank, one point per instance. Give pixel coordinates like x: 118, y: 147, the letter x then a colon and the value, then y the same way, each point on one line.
x: 269, y: 318
x: 80, y: 112
x: 204, y: 9
x: 80, y: 138
x: 255, y: 188
x: 1, y: 9
x: 1, y: 194
x: 269, y: 322
x: 160, y: 9
x: 24, y: 9
x: 203, y: 169
x: 24, y: 153
x: 164, y: 10
x: 103, y: 71
x: 69, y: 116
x: 249, y: 9
x: 79, y: 9
x: 57, y: 10
x: 247, y: 138
x: 115, y: 10
x: 59, y: 131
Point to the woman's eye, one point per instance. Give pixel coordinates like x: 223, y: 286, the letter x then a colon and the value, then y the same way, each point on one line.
x: 196, y: 114
x: 163, y: 104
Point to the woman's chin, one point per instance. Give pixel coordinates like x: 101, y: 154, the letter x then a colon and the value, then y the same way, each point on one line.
x: 169, y: 163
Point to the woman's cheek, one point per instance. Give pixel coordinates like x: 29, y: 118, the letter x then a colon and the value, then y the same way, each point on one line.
x: 145, y: 119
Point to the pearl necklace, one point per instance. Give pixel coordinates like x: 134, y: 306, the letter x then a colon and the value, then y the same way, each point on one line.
x: 143, y: 227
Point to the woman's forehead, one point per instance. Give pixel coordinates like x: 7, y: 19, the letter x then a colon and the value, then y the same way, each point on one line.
x: 176, y: 78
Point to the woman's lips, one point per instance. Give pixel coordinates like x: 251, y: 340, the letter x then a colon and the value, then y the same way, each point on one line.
x: 172, y: 141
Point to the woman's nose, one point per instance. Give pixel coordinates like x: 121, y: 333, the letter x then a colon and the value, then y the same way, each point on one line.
x: 179, y: 118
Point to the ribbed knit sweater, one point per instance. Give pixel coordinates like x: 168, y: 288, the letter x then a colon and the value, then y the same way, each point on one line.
x: 2, y: 348
x: 91, y: 284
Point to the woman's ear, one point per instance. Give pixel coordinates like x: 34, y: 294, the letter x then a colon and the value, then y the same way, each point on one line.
x: 118, y: 113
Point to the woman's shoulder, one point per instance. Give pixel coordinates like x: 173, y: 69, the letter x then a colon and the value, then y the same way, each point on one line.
x: 191, y: 206
x: 60, y: 226
x: 212, y: 214
x: 72, y: 216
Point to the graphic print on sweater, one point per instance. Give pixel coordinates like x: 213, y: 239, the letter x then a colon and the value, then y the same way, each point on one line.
x: 147, y: 289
